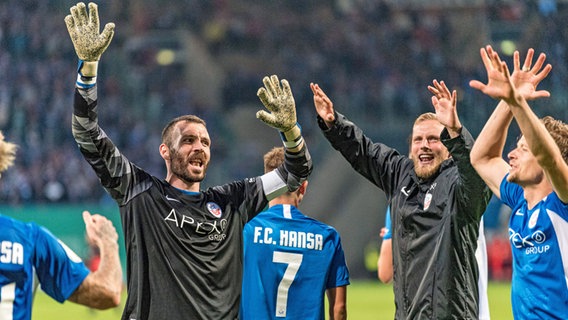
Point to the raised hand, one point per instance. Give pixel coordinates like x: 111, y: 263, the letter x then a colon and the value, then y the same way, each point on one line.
x: 527, y: 78
x: 99, y: 229
x: 324, y: 106
x: 279, y: 101
x: 84, y: 32
x: 499, y: 83
x: 445, y: 104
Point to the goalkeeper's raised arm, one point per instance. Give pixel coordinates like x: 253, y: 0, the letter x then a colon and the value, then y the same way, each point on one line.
x: 277, y: 97
x: 88, y: 42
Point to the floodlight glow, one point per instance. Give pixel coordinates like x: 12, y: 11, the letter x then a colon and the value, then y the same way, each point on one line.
x: 508, y: 47
x: 165, y: 57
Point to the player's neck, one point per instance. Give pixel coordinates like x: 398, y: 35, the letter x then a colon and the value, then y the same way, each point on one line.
x: 183, y: 185
x: 284, y: 200
x: 535, y: 193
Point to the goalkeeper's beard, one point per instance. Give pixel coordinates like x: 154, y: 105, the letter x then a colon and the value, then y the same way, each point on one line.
x: 180, y: 165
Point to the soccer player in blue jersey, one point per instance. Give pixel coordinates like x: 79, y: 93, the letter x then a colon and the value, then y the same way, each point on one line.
x: 291, y: 261
x: 30, y: 256
x: 184, y: 244
x: 534, y: 184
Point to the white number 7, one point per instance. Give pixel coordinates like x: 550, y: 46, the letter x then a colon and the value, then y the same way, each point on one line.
x: 294, y: 260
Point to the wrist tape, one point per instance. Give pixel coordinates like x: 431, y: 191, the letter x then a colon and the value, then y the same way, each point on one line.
x: 87, y: 74
x: 292, y: 138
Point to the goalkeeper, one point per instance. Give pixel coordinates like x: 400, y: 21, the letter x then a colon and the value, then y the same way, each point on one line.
x: 183, y: 244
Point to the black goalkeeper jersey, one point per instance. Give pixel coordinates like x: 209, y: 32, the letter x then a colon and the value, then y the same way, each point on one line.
x: 184, y: 250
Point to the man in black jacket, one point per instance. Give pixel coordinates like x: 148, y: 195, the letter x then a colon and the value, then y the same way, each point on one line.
x: 184, y: 245
x: 437, y: 200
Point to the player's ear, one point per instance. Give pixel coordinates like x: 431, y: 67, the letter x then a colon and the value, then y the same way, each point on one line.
x: 165, y: 152
x: 303, y: 187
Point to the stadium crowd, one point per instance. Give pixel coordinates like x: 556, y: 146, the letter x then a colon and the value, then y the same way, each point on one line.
x: 377, y: 55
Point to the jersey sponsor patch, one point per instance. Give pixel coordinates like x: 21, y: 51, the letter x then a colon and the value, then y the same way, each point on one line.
x: 214, y: 209
x: 533, y: 219
x: 427, y: 201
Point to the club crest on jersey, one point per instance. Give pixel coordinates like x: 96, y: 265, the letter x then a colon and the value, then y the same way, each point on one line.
x: 214, y: 209
x: 427, y: 201
x: 533, y: 219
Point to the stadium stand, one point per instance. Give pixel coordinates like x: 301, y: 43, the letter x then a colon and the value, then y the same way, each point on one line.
x: 375, y: 58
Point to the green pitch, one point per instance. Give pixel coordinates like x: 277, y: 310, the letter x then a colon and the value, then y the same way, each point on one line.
x: 374, y: 300
x: 365, y: 300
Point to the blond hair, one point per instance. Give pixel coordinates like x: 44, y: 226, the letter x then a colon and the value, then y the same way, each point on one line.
x: 7, y: 153
x: 421, y: 118
x: 426, y: 116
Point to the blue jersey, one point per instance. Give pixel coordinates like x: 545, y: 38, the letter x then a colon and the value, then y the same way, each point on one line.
x: 539, y: 243
x: 388, y: 234
x: 26, y: 248
x: 289, y: 261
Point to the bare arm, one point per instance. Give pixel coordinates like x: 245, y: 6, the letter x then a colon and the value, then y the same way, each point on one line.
x: 384, y: 263
x: 486, y: 155
x: 101, y: 289
x: 337, y: 298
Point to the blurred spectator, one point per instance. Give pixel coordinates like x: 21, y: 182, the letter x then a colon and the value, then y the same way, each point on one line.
x: 499, y: 259
x: 368, y: 53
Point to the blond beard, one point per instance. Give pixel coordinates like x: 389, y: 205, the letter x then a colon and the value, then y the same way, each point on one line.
x: 426, y: 172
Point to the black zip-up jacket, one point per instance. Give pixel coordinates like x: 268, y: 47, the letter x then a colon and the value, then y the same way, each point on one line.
x: 183, y: 249
x: 435, y: 222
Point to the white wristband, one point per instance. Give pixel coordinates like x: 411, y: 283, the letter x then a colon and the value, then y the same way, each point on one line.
x: 86, y: 82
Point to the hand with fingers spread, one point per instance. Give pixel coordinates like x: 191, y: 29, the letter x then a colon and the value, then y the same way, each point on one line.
x: 499, y: 83
x: 445, y: 103
x: 279, y: 101
x: 84, y: 31
x: 527, y: 78
x: 89, y: 44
